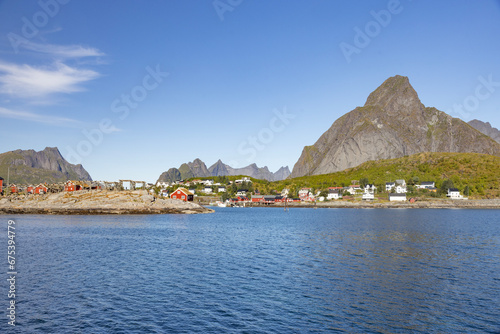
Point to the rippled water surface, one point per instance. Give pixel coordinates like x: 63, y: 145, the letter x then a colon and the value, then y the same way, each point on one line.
x: 259, y: 271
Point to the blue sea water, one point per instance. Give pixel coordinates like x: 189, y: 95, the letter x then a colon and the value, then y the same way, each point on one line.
x: 258, y: 270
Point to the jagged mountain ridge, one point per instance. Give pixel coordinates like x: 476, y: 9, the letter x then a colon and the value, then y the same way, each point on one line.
x: 486, y: 128
x: 47, y: 166
x: 392, y: 123
x: 197, y: 168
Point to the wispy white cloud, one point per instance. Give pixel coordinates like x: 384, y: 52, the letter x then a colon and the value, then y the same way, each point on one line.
x: 61, y: 51
x: 32, y: 117
x: 29, y: 81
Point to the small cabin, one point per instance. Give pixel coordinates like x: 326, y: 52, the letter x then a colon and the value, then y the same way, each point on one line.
x: 40, y: 189
x: 401, y: 197
x: 183, y: 194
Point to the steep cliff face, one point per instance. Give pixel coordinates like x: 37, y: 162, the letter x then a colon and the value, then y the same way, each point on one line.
x: 29, y: 166
x: 392, y: 123
x: 486, y: 128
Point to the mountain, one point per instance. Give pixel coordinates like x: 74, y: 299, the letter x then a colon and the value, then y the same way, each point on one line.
x: 393, y: 123
x: 219, y: 169
x: 47, y: 166
x: 197, y: 168
x: 486, y: 128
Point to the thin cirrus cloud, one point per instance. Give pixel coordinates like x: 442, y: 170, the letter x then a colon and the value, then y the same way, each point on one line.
x: 32, y: 117
x: 29, y: 81
x: 62, y: 51
x: 45, y: 119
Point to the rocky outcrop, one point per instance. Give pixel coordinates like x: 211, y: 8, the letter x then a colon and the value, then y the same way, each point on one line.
x: 486, y: 128
x: 393, y: 123
x: 197, y: 168
x: 97, y: 202
x: 29, y: 166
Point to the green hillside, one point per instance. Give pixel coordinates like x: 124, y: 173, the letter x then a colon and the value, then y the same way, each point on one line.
x: 478, y: 171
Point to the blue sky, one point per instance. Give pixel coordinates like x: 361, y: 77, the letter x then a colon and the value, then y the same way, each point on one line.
x: 130, y: 88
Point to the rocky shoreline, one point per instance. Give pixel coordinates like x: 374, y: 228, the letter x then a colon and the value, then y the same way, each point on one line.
x: 97, y: 203
x: 431, y: 204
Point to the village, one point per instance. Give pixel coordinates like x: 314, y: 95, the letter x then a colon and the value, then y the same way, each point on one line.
x: 238, y: 192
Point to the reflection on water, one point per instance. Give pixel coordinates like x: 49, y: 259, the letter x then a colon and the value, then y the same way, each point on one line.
x: 261, y: 271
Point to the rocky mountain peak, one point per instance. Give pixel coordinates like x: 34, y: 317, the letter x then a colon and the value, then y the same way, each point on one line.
x: 395, y: 95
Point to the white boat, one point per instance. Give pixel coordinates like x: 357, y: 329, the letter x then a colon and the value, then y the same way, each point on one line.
x: 221, y: 204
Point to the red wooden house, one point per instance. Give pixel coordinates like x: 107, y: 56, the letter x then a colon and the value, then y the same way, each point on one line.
x: 1, y: 184
x: 75, y: 186
x: 30, y: 189
x: 69, y: 186
x: 14, y: 189
x: 182, y: 194
x: 40, y: 189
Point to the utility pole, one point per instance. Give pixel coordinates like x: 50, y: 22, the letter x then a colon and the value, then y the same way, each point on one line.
x: 8, y: 174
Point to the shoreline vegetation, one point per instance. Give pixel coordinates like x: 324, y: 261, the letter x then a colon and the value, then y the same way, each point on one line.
x: 98, y: 202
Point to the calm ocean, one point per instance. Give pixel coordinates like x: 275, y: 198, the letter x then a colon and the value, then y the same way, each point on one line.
x: 257, y: 270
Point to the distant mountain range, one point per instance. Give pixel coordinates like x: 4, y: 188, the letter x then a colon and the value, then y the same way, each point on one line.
x: 393, y: 123
x: 197, y: 168
x: 486, y: 128
x: 31, y: 167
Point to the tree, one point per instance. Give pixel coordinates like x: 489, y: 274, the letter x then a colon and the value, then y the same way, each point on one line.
x: 447, y: 184
x: 414, y: 180
x: 466, y: 191
x: 363, y: 182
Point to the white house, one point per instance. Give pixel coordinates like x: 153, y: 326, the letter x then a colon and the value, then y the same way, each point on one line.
x: 192, y: 191
x: 401, y: 182
x: 305, y: 192
x: 353, y: 188
x: 334, y: 194
x: 389, y: 186
x: 425, y: 185
x: 368, y: 196
x: 221, y: 189
x: 162, y: 184
x: 370, y: 188
x: 454, y: 193
x: 207, y: 190
x: 400, y: 189
x: 208, y: 182
x: 244, y: 179
x: 242, y: 192
x: 397, y: 197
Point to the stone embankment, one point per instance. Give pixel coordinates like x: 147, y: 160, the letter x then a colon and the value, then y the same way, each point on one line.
x: 430, y: 204
x: 96, y: 203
